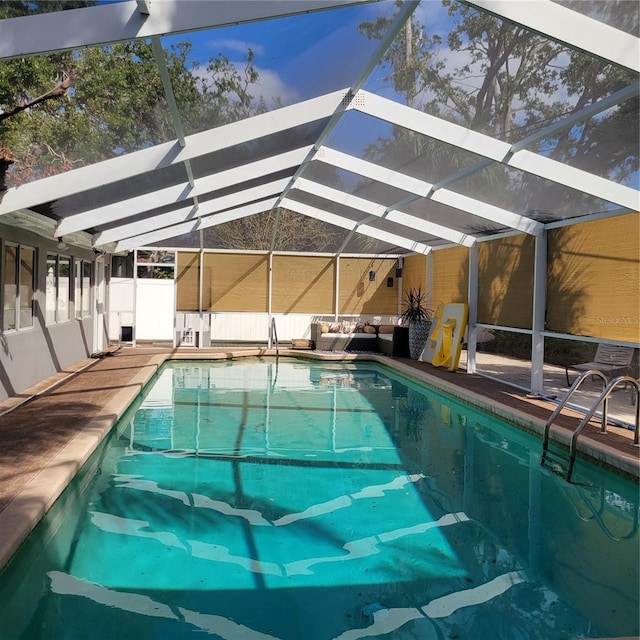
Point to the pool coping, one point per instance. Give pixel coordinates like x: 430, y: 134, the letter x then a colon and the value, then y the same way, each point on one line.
x: 27, y: 508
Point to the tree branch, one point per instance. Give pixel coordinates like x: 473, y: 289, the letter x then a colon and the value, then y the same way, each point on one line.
x: 57, y: 92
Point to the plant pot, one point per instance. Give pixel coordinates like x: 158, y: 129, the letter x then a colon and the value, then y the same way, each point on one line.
x: 418, y: 336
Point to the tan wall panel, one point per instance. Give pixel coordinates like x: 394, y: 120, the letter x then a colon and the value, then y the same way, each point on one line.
x: 594, y: 279
x: 236, y: 282
x: 359, y: 295
x: 414, y: 273
x: 505, y: 281
x: 187, y: 281
x: 450, y: 276
x: 303, y: 284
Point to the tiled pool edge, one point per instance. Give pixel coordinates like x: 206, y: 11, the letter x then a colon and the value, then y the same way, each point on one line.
x: 598, y: 452
x: 24, y: 512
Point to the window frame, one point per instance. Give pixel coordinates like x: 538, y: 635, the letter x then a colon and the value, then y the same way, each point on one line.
x: 19, y: 287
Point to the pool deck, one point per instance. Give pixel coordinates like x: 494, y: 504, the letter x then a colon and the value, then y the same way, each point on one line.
x: 49, y: 431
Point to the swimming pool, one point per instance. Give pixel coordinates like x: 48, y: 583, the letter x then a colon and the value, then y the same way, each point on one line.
x: 309, y: 501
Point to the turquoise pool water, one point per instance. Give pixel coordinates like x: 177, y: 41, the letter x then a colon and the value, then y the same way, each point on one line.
x: 259, y: 500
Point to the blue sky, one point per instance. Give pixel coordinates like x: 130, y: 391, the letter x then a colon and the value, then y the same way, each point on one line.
x: 298, y: 56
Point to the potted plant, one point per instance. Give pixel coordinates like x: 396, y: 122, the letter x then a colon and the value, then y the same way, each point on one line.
x: 418, y: 317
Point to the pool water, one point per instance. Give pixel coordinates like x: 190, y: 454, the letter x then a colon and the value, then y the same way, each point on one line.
x: 263, y: 500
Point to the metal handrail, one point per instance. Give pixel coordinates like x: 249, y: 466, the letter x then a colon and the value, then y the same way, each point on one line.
x: 604, y: 396
x: 273, y: 335
x: 563, y: 402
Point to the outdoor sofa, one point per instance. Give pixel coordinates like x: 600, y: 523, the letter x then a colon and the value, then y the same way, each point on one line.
x: 345, y: 336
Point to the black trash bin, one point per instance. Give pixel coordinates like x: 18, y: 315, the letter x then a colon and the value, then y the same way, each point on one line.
x: 401, y: 342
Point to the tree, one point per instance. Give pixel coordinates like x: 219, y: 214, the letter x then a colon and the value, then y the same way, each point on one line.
x: 294, y: 232
x: 117, y: 105
x: 510, y: 83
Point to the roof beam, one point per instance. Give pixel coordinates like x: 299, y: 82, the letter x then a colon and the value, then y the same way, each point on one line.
x: 426, y: 190
x: 123, y: 21
x: 180, y: 192
x: 559, y: 23
x: 575, y: 118
x: 184, y: 214
x: 380, y: 211
x: 352, y: 225
x: 194, y: 225
x: 169, y: 153
x: 497, y: 150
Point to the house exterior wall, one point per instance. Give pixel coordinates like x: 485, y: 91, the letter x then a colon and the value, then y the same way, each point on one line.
x: 29, y: 355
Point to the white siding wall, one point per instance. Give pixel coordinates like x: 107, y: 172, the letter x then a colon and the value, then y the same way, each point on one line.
x: 155, y: 301
x: 121, y: 305
x: 152, y: 314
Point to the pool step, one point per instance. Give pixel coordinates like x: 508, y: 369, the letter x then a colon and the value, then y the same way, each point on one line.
x: 556, y: 459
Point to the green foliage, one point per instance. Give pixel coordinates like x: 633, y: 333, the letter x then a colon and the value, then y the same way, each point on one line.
x: 500, y: 79
x: 116, y: 105
x: 415, y: 308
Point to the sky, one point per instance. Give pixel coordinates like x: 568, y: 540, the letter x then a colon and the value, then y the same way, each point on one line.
x: 303, y: 56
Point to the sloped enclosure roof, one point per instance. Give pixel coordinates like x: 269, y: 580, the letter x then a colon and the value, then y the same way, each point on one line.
x: 391, y: 120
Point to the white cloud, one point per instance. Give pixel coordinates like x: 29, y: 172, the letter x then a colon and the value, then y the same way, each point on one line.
x: 241, y: 46
x: 269, y: 85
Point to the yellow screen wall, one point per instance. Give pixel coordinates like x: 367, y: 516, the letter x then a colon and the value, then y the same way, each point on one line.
x: 187, y: 281
x: 505, y: 281
x: 414, y: 271
x: 594, y: 279
x: 450, y: 275
x: 303, y: 285
x: 360, y: 295
x: 236, y: 282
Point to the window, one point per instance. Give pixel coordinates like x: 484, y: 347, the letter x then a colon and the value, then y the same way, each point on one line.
x: 19, y: 284
x: 83, y: 288
x: 158, y: 265
x: 58, y: 288
x: 86, y: 288
x: 122, y: 266
x: 10, y: 287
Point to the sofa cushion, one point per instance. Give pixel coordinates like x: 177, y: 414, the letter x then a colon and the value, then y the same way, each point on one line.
x: 386, y: 328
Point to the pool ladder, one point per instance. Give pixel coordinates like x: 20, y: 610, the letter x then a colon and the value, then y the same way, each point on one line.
x: 273, y: 337
x: 603, y: 399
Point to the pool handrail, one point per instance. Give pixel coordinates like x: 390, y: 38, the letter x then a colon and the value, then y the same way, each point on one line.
x: 574, y: 387
x: 607, y: 390
x: 602, y: 399
x: 273, y: 336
